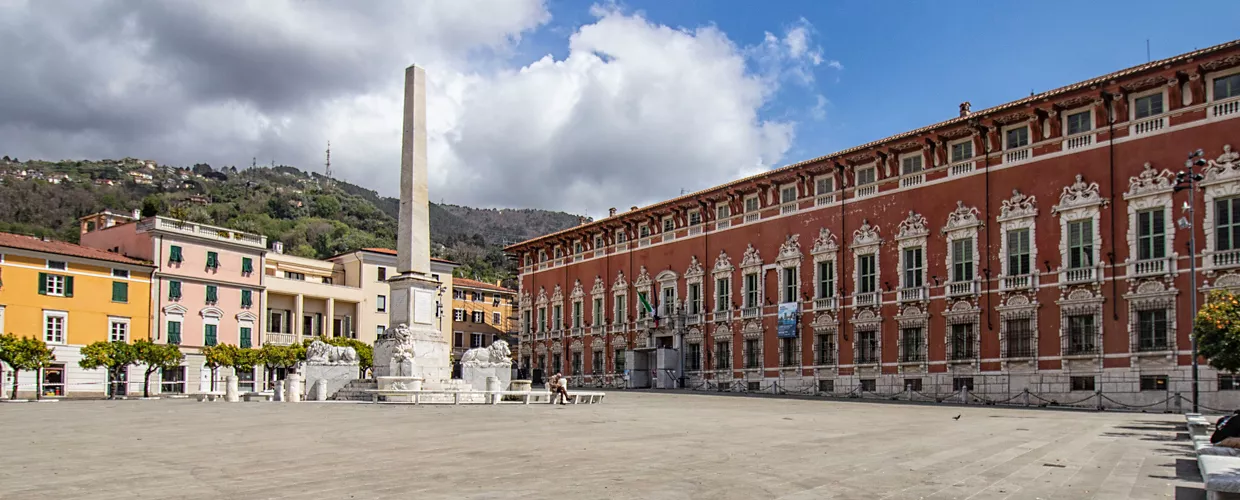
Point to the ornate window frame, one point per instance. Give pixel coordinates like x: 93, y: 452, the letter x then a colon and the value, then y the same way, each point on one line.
x: 641, y: 285
x: 722, y: 269
x: 1016, y: 307
x: 557, y: 299
x: 868, y: 319
x: 913, y: 233
x: 826, y: 249
x: 752, y: 330
x: 866, y: 241
x: 752, y: 264
x: 789, y: 257
x: 1151, y: 190
x: 577, y: 298
x: 597, y: 293
x: 543, y: 313
x: 1018, y: 212
x: 963, y: 311
x: 1222, y: 180
x: 963, y: 223
x: 694, y: 276
x: 620, y: 288
x: 1080, y: 201
x: 1151, y: 295
x: 668, y: 280
x: 1080, y: 302
x: 694, y: 336
x: 913, y: 316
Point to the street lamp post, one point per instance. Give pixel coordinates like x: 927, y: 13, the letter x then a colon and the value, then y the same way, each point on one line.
x: 1188, y: 179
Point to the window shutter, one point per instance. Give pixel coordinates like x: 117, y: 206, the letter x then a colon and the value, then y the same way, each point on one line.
x: 42, y: 283
x: 245, y: 338
x: 68, y: 286
x: 120, y: 291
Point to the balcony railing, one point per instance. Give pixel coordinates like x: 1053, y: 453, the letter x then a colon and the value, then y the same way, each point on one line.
x: 825, y: 303
x: 203, y: 231
x: 1148, y: 125
x: 576, y: 332
x: 866, y: 190
x: 278, y: 338
x: 1226, y: 258
x: 644, y: 242
x: 914, y: 294
x: 695, y: 230
x: 723, y: 316
x: 1018, y: 155
x: 788, y: 208
x: 540, y: 335
x: 1078, y: 141
x: 619, y: 327
x: 557, y: 334
x: 960, y: 168
x: 1151, y: 267
x: 912, y: 179
x: 1078, y: 275
x: 723, y: 224
x: 693, y: 319
x: 751, y: 312
x: 1225, y: 108
x: 1018, y: 282
x: 751, y: 217
x: 866, y: 299
x: 958, y: 288
x: 824, y: 199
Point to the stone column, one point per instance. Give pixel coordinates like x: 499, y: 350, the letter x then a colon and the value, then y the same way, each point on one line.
x: 293, y: 391
x: 331, y: 319
x: 413, y: 242
x: 230, y: 391
x: 264, y: 320
x: 298, y: 313
x: 278, y: 391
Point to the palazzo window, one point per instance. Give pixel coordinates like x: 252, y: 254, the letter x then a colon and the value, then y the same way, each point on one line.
x: 1080, y: 244
x: 1016, y: 138
x: 1081, y: 335
x: 557, y: 317
x: 577, y: 312
x: 962, y: 259
x: 598, y: 311
x: 867, y: 281
x: 753, y: 358
x: 911, y: 340
x: 911, y: 164
x: 621, y: 310
x: 1019, y: 338
x: 643, y: 231
x: 788, y: 352
x: 751, y: 290
x: 1227, y: 229
x: 695, y: 298
x: 867, y: 347
x: 723, y: 211
x: 826, y: 279
x: 1018, y: 252
x: 788, y: 194
x: 693, y: 358
x: 913, y: 267
x: 1147, y: 106
x: 669, y: 224
x: 1152, y: 329
x: 1079, y: 123
x: 826, y: 349
x: 723, y: 294
x: 962, y: 341
x: 1226, y: 87
x: 866, y: 175
x: 1151, y: 234
x: 669, y: 301
x: 790, y: 284
x: 723, y: 354
x: 961, y: 151
x: 824, y: 185
x: 542, y: 319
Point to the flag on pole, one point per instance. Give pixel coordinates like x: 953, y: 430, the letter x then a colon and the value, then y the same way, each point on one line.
x: 650, y: 311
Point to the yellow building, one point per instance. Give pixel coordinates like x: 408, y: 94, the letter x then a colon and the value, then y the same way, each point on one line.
x: 70, y: 296
x: 481, y: 314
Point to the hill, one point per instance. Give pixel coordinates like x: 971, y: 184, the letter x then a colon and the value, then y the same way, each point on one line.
x: 312, y: 215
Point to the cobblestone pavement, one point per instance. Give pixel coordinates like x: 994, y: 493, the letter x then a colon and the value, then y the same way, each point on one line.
x: 635, y: 445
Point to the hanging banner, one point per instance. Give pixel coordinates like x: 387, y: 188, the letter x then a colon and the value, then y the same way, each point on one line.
x: 787, y: 320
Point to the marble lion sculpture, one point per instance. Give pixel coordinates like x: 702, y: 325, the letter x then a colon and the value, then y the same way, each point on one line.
x: 497, y: 354
x: 323, y: 353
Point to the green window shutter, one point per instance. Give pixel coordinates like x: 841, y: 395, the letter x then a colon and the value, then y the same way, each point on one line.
x: 175, y: 255
x: 212, y: 294
x: 247, y: 265
x: 120, y: 291
x: 174, y: 290
x: 209, y: 335
x: 174, y: 332
x: 68, y: 286
x: 213, y: 260
x: 42, y: 283
x: 245, y: 338
x: 246, y: 299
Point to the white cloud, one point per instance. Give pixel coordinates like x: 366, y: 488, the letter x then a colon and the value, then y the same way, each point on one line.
x: 632, y: 114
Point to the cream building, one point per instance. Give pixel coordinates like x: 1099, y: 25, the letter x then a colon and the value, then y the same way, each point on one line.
x: 369, y: 269
x: 307, y: 298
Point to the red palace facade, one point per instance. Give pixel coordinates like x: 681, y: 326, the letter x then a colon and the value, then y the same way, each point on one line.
x: 1033, y: 246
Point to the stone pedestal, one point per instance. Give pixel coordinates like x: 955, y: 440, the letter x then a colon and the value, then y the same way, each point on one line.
x: 413, y: 351
x: 231, y: 394
x: 493, y: 388
x: 476, y: 375
x: 332, y: 377
x: 278, y: 391
x: 292, y: 393
x: 521, y: 385
x: 320, y: 390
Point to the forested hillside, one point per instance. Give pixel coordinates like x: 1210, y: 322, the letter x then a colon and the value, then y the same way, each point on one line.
x: 312, y: 215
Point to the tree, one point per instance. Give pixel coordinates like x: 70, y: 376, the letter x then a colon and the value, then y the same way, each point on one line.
x: 222, y: 355
x: 156, y: 357
x: 26, y: 353
x: 275, y: 357
x: 1218, y: 331
x: 6, y: 350
x: 116, y: 357
x: 151, y: 206
x: 326, y: 206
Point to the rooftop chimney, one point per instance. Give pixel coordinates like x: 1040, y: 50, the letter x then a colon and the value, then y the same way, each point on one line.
x: 611, y: 212
x: 634, y: 209
x: 137, y: 214
x: 964, y: 108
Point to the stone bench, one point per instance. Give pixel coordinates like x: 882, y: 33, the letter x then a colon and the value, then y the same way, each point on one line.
x: 578, y: 397
x: 1198, y: 425
x: 417, y: 395
x: 525, y: 397
x: 209, y: 396
x: 257, y: 396
x: 1220, y: 475
x: 1202, y: 446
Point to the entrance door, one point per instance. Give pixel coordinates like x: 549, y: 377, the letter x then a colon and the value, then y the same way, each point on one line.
x: 54, y: 380
x: 204, y: 379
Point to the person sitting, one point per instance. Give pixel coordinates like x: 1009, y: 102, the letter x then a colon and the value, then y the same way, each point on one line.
x: 1227, y: 431
x: 556, y: 384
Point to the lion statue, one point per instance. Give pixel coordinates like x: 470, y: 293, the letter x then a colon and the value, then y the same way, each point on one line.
x: 495, y: 355
x: 323, y: 353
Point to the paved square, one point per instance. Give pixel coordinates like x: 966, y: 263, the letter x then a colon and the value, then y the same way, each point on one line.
x: 635, y: 445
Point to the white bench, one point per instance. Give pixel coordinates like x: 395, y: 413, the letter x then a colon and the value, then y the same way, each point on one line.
x: 257, y: 396
x: 1220, y: 475
x: 417, y: 395
x: 589, y: 397
x: 526, y: 397
x: 1198, y: 425
x: 209, y: 396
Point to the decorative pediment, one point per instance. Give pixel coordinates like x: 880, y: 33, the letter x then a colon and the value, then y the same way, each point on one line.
x: 643, y: 279
x: 1018, y: 206
x: 597, y: 344
x: 246, y: 316
x: 600, y: 287
x: 864, y: 317
x: 1150, y: 181
x: 211, y: 312
x: 541, y: 349
x: 913, y: 226
x: 825, y: 243
x: 1225, y: 62
x: 1077, y: 195
x: 791, y: 249
x: 1013, y: 118
x: 174, y: 310
x: 1017, y: 300
x: 666, y: 276
x: 751, y: 258
x: 576, y: 346
x: 557, y: 346
x: 1075, y: 102
x: 620, y: 283
x: 695, y: 268
x: 1151, y: 286
x: 578, y: 292
x: 823, y: 321
x: 723, y: 264
x: 752, y: 329
x: 1144, y: 83
x: 542, y: 296
x: 961, y: 218
x: 723, y: 332
x: 618, y: 339
x: 694, y: 334
x: 557, y: 295
x: 1225, y: 167
x: 866, y: 235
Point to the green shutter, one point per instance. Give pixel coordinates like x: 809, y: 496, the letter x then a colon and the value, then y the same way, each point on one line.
x: 174, y: 332
x: 246, y: 300
x: 42, y: 283
x: 213, y: 260
x: 175, y: 254
x: 209, y: 335
x: 212, y: 294
x: 120, y: 291
x: 247, y: 265
x: 174, y: 290
x: 68, y: 286
x: 245, y: 338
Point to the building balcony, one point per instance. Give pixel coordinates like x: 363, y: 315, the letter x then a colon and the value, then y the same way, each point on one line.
x: 619, y: 327
x: 1147, y: 125
x: 751, y: 217
x: 1018, y: 282
x: 577, y: 332
x: 1150, y: 267
x: 695, y: 230
x: 1078, y: 141
x: 866, y: 190
x: 723, y: 224
x: 1225, y: 258
x: 1078, y: 275
x: 788, y: 208
x: 203, y: 231
x: 722, y: 316
x: 1225, y: 108
x: 1018, y: 155
x: 693, y: 319
x: 278, y: 338
x: 913, y: 179
x: 914, y: 294
x: 556, y: 334
x: 824, y: 199
x: 825, y: 304
x: 540, y: 335
x: 959, y: 288
x: 866, y: 299
x: 751, y: 312
x: 960, y: 168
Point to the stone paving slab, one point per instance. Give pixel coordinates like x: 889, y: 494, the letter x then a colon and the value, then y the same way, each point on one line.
x: 634, y: 446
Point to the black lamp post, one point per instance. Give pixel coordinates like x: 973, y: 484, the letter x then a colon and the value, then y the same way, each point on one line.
x: 1188, y: 179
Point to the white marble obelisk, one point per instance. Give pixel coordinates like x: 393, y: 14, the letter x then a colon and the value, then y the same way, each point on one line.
x: 413, y: 347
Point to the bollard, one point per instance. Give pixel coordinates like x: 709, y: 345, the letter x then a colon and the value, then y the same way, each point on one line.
x: 1179, y: 403
x: 964, y: 394
x: 493, y: 389
x: 292, y: 393
x: 1025, y: 393
x: 320, y: 390
x: 230, y: 390
x: 278, y: 391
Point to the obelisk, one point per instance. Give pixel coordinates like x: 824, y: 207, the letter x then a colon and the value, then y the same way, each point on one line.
x: 413, y: 346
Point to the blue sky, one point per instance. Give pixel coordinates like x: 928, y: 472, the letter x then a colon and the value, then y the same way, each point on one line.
x: 909, y: 64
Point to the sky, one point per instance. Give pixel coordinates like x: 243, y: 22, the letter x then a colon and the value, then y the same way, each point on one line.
x: 552, y: 104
